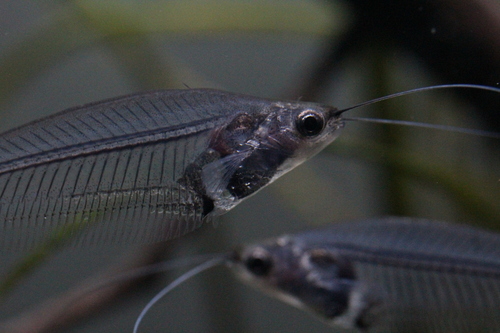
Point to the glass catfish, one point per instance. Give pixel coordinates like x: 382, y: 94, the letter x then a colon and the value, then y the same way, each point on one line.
x: 149, y: 167
x: 155, y: 166
x: 384, y: 275
x: 393, y: 274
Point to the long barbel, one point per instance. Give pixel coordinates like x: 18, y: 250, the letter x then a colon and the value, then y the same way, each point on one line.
x: 153, y: 166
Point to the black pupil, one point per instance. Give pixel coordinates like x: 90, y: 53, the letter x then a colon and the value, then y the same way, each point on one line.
x: 258, y: 266
x: 310, y: 124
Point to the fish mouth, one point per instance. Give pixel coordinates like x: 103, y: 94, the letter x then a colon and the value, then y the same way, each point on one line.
x: 334, y: 118
x: 336, y: 123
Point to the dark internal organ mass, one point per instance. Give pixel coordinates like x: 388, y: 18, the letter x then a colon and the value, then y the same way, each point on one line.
x: 263, y: 155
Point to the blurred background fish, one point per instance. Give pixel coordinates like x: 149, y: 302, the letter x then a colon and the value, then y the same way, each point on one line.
x: 392, y: 274
x: 384, y: 275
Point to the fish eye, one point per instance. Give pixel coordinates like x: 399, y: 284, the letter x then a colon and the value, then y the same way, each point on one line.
x: 310, y: 123
x: 259, y: 263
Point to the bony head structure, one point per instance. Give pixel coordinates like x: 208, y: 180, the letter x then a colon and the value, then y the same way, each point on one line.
x: 254, y: 149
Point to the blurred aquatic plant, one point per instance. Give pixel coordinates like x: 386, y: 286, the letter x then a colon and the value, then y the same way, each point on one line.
x: 124, y: 27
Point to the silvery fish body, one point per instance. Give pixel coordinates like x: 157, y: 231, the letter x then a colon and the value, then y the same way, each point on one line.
x: 384, y: 275
x: 148, y: 167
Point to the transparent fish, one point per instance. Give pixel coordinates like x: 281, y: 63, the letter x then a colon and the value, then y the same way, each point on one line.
x: 149, y: 167
x: 384, y: 275
x: 155, y: 166
x: 393, y: 274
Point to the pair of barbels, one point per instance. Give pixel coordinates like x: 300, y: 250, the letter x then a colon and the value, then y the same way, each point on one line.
x: 155, y: 166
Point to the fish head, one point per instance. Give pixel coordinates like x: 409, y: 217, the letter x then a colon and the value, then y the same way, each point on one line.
x: 255, y: 148
x: 315, y: 279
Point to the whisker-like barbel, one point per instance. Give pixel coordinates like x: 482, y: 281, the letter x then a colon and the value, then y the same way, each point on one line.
x: 153, y: 166
x: 384, y: 275
x: 482, y: 133
x: 217, y: 260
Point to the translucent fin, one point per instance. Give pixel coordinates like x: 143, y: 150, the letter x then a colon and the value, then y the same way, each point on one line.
x: 216, y: 175
x: 119, y: 123
x: 71, y: 200
x: 437, y: 277
x: 413, y: 235
x: 431, y: 301
x: 110, y: 169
